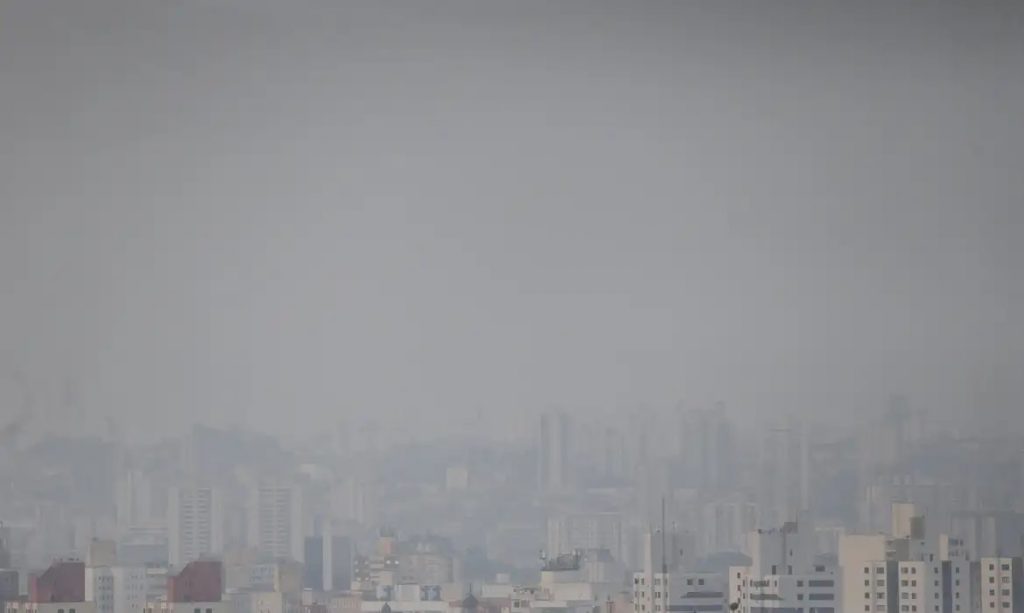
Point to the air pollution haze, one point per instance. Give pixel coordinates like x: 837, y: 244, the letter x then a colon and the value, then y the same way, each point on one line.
x: 442, y: 216
x: 334, y: 306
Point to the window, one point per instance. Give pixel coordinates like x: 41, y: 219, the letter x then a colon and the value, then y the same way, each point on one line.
x: 689, y: 582
x: 904, y: 583
x: 866, y: 570
x: 867, y: 595
x: 1005, y: 567
x: 867, y: 582
x: 880, y: 582
x: 700, y: 582
x: 867, y: 607
x: 800, y: 583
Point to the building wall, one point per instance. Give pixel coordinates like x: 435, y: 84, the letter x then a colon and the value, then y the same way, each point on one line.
x: 276, y: 521
x: 195, y: 524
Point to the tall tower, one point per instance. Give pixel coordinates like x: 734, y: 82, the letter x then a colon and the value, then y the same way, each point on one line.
x: 553, y: 460
x: 275, y: 521
x: 195, y: 524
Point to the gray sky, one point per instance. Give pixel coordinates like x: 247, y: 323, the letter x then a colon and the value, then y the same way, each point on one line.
x: 280, y: 212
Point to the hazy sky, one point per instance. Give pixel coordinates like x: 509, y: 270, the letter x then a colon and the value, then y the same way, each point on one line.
x: 283, y: 212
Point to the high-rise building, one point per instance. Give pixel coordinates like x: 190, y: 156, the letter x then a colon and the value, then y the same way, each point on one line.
x: 909, y: 571
x: 707, y: 449
x: 989, y: 534
x: 195, y: 524
x: 275, y: 521
x: 553, y: 462
x: 680, y: 592
x: 133, y: 500
x: 571, y: 532
x: 328, y: 563
x: 784, y: 480
x: 784, y: 574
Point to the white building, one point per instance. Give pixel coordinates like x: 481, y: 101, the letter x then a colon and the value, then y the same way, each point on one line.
x: 784, y: 551
x: 275, y: 517
x: 680, y: 592
x: 195, y: 524
x: 801, y: 593
x: 1001, y: 585
x: 783, y: 575
x: 908, y: 572
x: 116, y: 589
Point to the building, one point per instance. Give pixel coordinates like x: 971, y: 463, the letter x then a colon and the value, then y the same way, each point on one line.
x: 815, y: 592
x: 195, y: 524
x: 275, y: 521
x: 553, y: 473
x: 866, y: 573
x: 64, y: 581
x: 197, y: 587
x: 59, y: 589
x: 1000, y: 585
x: 725, y: 524
x: 784, y: 575
x: 990, y: 534
x: 571, y: 532
x: 680, y: 592
x: 328, y: 563
x: 133, y: 501
x: 707, y: 449
x: 8, y: 587
x: 909, y: 571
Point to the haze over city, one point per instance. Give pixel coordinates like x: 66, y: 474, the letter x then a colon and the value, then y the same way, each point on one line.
x: 511, y: 307
x: 216, y: 210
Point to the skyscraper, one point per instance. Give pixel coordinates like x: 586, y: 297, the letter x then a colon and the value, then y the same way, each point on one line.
x: 275, y: 520
x: 195, y: 524
x: 553, y: 460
